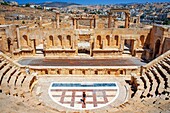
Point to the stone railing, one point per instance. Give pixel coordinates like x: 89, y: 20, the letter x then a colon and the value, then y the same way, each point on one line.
x: 84, y: 71
x: 12, y: 62
x: 153, y: 62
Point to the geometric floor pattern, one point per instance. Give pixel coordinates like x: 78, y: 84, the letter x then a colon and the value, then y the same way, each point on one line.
x: 71, y: 98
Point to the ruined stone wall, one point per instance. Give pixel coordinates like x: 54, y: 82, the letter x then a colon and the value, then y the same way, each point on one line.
x: 3, y: 41
x: 166, y: 45
x: 103, y: 42
x: 158, y: 40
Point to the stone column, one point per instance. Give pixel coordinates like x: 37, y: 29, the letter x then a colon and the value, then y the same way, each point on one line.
x: 95, y: 21
x: 111, y: 40
x: 33, y: 45
x: 133, y: 47
x: 58, y: 19
x: 76, y: 45
x: 74, y: 23
x: 94, y: 43
x: 103, y: 44
x: 122, y: 44
x: 115, y: 23
x: 77, y: 24
x: 109, y: 20
x: 63, y: 41
x: 90, y: 23
x: 40, y: 21
x: 127, y: 20
x: 18, y: 38
x: 139, y: 19
x: 72, y: 42
x: 91, y: 42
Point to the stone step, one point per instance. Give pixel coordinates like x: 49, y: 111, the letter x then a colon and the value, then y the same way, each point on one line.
x: 4, y: 84
x: 9, y: 74
x: 19, y: 82
x: 168, y: 57
x: 154, y: 84
x: 167, y: 60
x: 156, y: 79
x: 12, y: 82
x: 3, y: 71
x: 141, y: 83
x: 140, y: 88
x: 3, y: 63
x: 27, y: 84
x: 164, y: 72
x: 165, y: 66
x: 150, y: 79
x: 161, y: 85
x: 146, y: 91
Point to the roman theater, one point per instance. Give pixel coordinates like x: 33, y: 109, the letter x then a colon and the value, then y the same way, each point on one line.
x: 49, y: 64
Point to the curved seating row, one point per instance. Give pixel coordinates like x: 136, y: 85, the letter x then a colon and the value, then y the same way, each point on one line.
x: 13, y: 81
x: 155, y: 81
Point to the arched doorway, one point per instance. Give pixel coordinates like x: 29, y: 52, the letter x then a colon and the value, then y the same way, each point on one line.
x: 25, y: 40
x: 142, y: 38
x: 59, y: 41
x: 107, y: 40
x: 51, y: 40
x: 84, y: 44
x: 9, y: 44
x: 157, y: 47
x: 99, y: 42
x: 68, y: 41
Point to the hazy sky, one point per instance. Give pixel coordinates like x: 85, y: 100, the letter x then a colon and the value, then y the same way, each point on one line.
x: 91, y: 1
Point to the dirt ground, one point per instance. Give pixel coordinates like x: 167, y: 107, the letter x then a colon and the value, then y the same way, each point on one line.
x: 11, y: 104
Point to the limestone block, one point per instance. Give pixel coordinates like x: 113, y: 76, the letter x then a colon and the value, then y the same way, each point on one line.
x: 27, y: 84
x: 12, y: 82
x: 3, y: 70
x: 4, y: 83
x: 19, y: 83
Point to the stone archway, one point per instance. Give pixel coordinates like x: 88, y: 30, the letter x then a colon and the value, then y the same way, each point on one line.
x: 51, y: 40
x: 59, y: 41
x: 25, y: 40
x: 107, y: 40
x: 84, y: 44
x: 142, y: 39
x: 99, y: 42
x: 157, y: 47
x: 9, y: 44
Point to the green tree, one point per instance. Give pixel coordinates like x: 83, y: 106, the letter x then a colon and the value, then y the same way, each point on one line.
x: 5, y: 3
x: 23, y: 22
x: 27, y: 5
x: 85, y: 10
x: 166, y: 22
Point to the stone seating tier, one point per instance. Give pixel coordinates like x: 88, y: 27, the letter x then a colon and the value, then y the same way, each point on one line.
x: 13, y: 81
x: 155, y: 81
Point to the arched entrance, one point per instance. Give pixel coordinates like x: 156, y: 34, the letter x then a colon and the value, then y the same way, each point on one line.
x: 129, y: 47
x: 84, y: 44
x: 9, y: 44
x: 157, y: 46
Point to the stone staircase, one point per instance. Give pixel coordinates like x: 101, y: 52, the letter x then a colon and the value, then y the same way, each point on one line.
x: 13, y: 80
x: 155, y: 79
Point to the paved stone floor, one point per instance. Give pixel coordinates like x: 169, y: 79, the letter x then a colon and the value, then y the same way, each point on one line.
x: 121, y: 61
x: 95, y: 98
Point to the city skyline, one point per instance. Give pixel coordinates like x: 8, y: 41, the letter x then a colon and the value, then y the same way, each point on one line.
x: 90, y: 2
